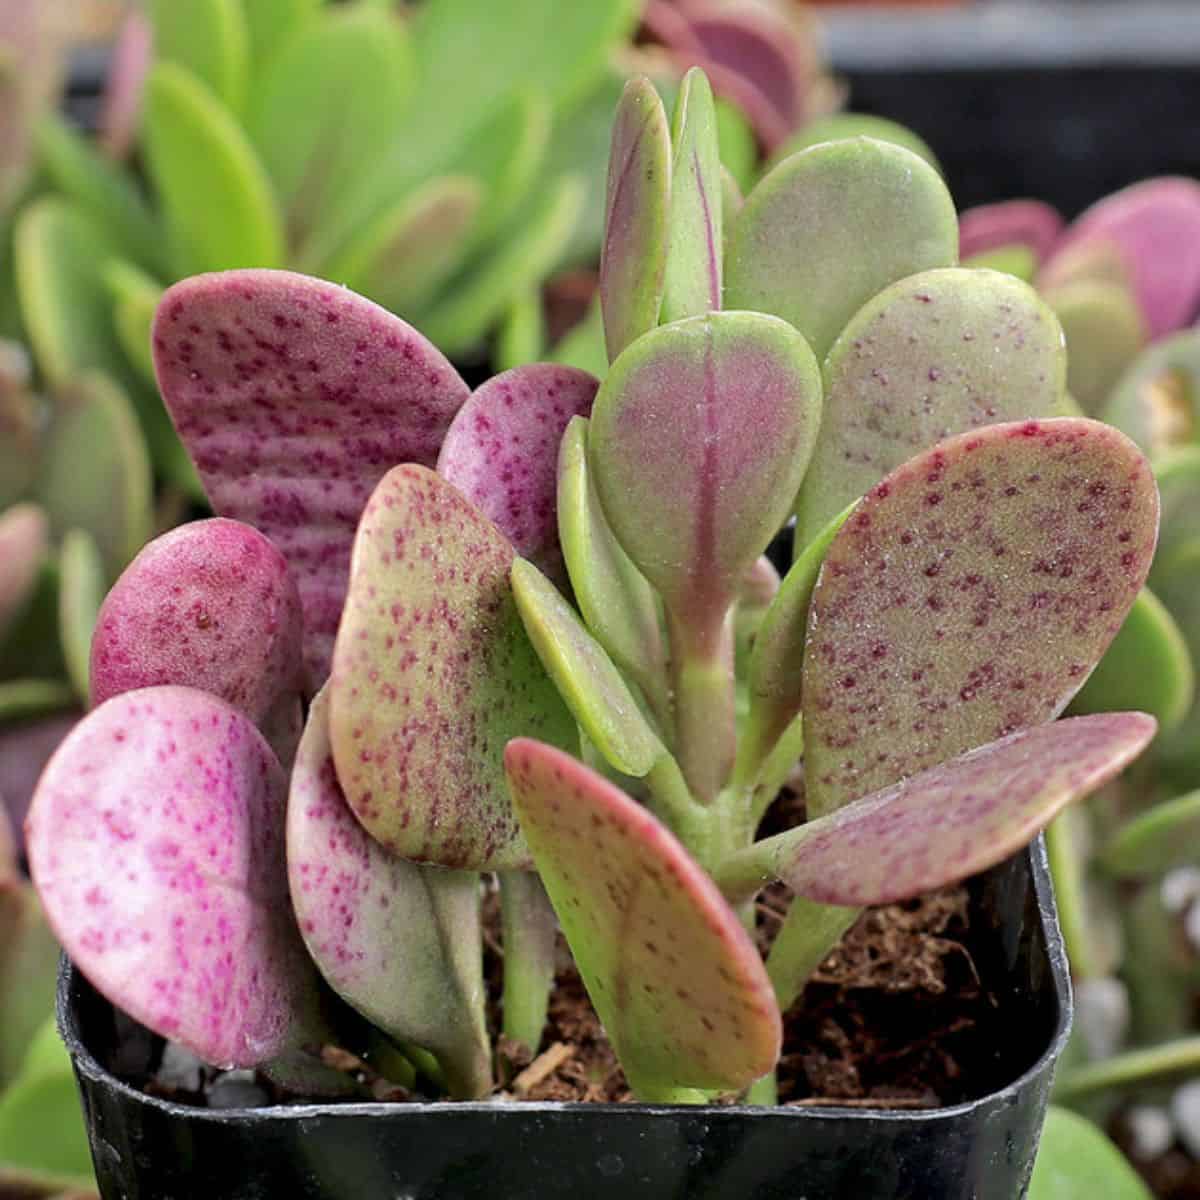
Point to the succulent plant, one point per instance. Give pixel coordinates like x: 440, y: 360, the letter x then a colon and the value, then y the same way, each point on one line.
x: 518, y: 626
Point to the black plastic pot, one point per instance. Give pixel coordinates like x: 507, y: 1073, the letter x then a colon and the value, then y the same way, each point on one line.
x: 148, y: 1149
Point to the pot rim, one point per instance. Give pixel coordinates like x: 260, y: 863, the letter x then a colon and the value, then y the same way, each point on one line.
x: 87, y: 1066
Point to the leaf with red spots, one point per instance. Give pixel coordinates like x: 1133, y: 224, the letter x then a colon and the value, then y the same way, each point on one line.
x: 501, y: 452
x: 799, y: 247
x: 209, y: 605
x: 675, y: 978
x: 699, y: 438
x: 634, y: 253
x: 968, y: 597
x: 155, y: 840
x: 397, y: 941
x: 1009, y: 223
x: 293, y: 397
x: 952, y: 821
x: 936, y: 354
x: 432, y: 675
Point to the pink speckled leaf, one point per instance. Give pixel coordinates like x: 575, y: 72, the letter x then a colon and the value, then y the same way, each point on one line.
x: 935, y: 354
x: 963, y: 816
x: 633, y: 257
x: 501, y: 452
x: 293, y: 397
x: 397, y: 941
x: 699, y: 439
x: 432, y: 675
x: 155, y: 840
x: 1009, y: 223
x: 24, y: 541
x: 1155, y: 226
x: 209, y: 605
x: 968, y: 597
x: 678, y: 983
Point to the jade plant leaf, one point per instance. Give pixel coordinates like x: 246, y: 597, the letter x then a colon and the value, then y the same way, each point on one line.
x: 1156, y: 841
x: 209, y: 605
x: 692, y: 282
x: 397, y: 941
x: 210, y: 39
x: 161, y: 870
x: 20, y: 425
x: 1147, y: 667
x: 618, y: 605
x: 501, y: 452
x: 24, y: 542
x: 135, y: 296
x: 293, y: 398
x: 24, y: 699
x: 939, y: 624
x: 28, y: 968
x: 938, y: 353
x: 838, y: 126
x: 956, y: 819
x: 215, y: 191
x: 1155, y: 227
x: 81, y: 586
x: 1178, y: 475
x: 1029, y: 223
x: 796, y: 247
x: 720, y: 413
x: 270, y: 24
x: 678, y: 983
x: 1077, y: 1162
x: 633, y: 258
x: 432, y: 675
x: 1157, y: 401
x: 1012, y: 260
x: 1177, y: 584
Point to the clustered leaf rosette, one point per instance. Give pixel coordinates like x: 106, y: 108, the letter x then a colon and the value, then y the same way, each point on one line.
x: 533, y: 672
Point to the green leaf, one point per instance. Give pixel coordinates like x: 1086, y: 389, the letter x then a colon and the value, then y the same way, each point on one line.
x: 829, y: 228
x: 21, y: 699
x: 219, y: 206
x: 1157, y: 400
x: 739, y: 147
x: 1077, y: 1162
x: 521, y: 337
x: 836, y: 127
x: 271, y: 23
x: 42, y: 1137
x: 1157, y: 840
x: 28, y: 969
x: 81, y: 589
x: 1017, y: 260
x: 210, y: 39
x: 135, y: 296
x: 24, y: 541
x: 1178, y: 475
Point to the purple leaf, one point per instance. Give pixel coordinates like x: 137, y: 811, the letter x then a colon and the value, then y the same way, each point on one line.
x: 1009, y: 223
x: 397, y: 941
x: 209, y: 605
x: 501, y: 452
x: 432, y: 675
x: 293, y: 397
x: 678, y: 983
x: 969, y: 596
x: 156, y: 844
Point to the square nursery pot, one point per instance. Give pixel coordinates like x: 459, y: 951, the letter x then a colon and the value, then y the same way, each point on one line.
x: 149, y: 1149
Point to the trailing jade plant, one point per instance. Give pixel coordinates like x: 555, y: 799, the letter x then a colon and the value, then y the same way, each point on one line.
x: 515, y: 611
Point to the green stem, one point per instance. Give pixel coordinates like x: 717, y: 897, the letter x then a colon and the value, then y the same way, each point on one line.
x: 808, y: 933
x: 666, y: 1093
x: 780, y: 763
x: 1137, y: 1066
x: 529, y: 928
x: 764, y: 1092
x: 1066, y: 869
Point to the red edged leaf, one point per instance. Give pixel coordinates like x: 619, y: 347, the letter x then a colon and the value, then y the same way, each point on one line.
x: 1009, y: 223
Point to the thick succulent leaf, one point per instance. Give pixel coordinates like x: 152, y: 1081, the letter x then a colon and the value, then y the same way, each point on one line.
x: 432, y: 675
x: 1104, y: 331
x: 129, y: 61
x: 326, y: 104
x: 1157, y: 401
x: 208, y: 37
x: 836, y: 127
x: 1155, y: 227
x: 95, y: 473
x: 24, y: 541
x: 1147, y: 667
x: 1015, y: 260
x: 102, y: 190
x: 521, y: 337
x: 135, y: 295
x: 20, y: 425
x: 473, y: 303
x: 720, y: 414
x: 293, y: 397
x: 618, y: 605
x: 969, y: 596
x: 211, y: 606
x: 501, y: 452
x: 1077, y: 1162
x: 401, y: 259
x: 1009, y: 223
x: 271, y: 23
x: 1156, y: 841
x: 156, y: 843
x: 633, y: 258
x: 81, y: 587
x: 28, y: 969
x: 1177, y: 584
x: 933, y: 355
x: 216, y: 196
x: 692, y: 283
x: 599, y: 699
x: 674, y: 977
x: 963, y: 816
x: 1178, y: 475
x: 397, y: 941
x: 829, y: 228
x: 24, y: 699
